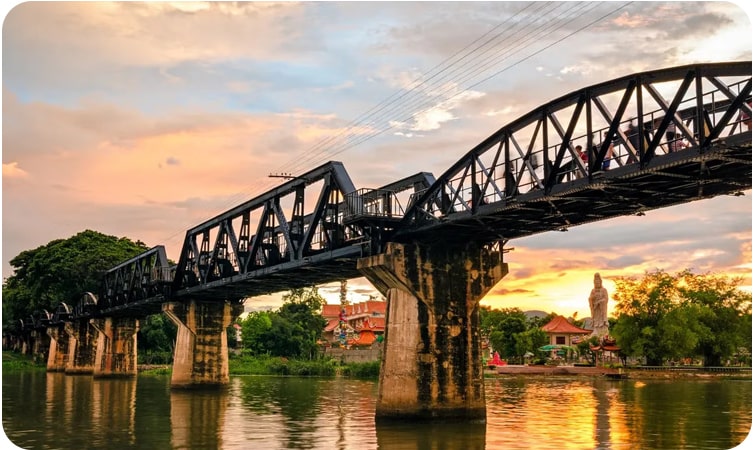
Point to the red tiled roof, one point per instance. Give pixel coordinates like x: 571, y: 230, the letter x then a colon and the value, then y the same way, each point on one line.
x: 331, y: 325
x: 331, y: 310
x: 560, y: 325
x: 366, y: 337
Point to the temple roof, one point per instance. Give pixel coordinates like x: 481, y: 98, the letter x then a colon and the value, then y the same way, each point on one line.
x: 560, y: 325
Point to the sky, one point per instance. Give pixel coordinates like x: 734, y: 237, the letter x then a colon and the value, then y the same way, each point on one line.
x: 142, y: 120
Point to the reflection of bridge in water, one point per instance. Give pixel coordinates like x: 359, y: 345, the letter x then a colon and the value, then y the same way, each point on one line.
x: 433, y: 247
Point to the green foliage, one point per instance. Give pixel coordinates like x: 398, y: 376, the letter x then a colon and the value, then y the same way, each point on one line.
x: 292, y: 331
x: 366, y: 370
x: 504, y: 324
x: 157, y: 333
x: 511, y: 333
x: 159, y: 371
x: 663, y: 316
x: 584, y: 348
x: 254, y: 329
x: 530, y: 340
x: 247, y: 364
x: 62, y: 271
x: 17, y: 362
x: 309, y: 297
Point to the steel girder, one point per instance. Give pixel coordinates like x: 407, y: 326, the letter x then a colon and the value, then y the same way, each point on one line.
x: 528, y: 178
x: 132, y: 287
x: 307, y: 243
x: 228, y: 255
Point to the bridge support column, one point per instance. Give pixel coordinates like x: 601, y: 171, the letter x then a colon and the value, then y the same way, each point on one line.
x: 58, y: 354
x: 431, y: 362
x: 40, y: 345
x: 116, y: 347
x: 201, y: 356
x: 82, y: 345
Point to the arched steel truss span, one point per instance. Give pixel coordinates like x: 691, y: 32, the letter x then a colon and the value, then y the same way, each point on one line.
x: 668, y: 136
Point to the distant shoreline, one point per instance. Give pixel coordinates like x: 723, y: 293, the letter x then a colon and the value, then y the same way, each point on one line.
x: 668, y: 372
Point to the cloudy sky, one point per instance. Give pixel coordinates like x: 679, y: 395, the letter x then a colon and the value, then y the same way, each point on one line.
x: 145, y: 119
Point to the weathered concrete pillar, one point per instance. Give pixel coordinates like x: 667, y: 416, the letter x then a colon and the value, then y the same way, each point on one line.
x: 82, y: 347
x: 431, y: 363
x: 58, y: 354
x: 201, y: 357
x: 40, y: 345
x: 26, y: 344
x: 116, y: 346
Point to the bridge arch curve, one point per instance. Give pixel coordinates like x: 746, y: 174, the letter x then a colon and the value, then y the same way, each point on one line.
x: 623, y: 127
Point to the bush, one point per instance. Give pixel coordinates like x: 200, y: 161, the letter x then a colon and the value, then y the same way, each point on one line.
x: 16, y: 361
x: 157, y: 357
x: 362, y: 370
x: 157, y: 371
x: 269, y: 365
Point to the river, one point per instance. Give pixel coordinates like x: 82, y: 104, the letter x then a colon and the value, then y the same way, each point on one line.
x: 54, y: 411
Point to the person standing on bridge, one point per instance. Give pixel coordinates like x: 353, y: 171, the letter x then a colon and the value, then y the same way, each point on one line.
x: 745, y: 117
x: 635, y: 142
x: 674, y: 140
x: 608, y: 157
x: 583, y: 155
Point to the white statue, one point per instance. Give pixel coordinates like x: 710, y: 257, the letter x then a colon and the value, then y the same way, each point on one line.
x: 598, y: 302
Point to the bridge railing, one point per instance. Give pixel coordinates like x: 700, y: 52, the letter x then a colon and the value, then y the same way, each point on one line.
x: 700, y: 103
x: 374, y: 203
x: 143, y: 276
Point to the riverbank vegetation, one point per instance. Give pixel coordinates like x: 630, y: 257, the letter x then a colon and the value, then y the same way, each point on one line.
x: 672, y: 317
x: 662, y: 319
x: 325, y: 367
x: 13, y: 361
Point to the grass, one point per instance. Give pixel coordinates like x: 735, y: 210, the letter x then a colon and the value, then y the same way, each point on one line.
x: 240, y: 365
x: 13, y: 361
x: 270, y: 365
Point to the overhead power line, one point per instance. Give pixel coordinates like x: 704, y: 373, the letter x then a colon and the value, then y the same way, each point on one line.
x: 472, y: 64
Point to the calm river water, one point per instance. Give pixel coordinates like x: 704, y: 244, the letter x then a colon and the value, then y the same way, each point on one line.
x: 55, y: 411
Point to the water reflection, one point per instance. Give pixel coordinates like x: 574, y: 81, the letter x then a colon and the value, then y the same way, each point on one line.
x: 305, y: 413
x: 442, y: 436
x: 55, y: 410
x: 95, y: 413
x: 197, y: 418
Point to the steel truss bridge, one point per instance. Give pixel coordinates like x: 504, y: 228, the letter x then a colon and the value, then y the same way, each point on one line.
x: 524, y: 179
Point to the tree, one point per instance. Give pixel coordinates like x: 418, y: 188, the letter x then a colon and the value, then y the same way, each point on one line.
x: 62, y: 271
x: 502, y: 326
x: 253, y: 330
x: 721, y: 310
x: 291, y: 331
x: 302, y: 309
x: 663, y: 316
x: 156, y: 339
x: 309, y: 297
x: 640, y: 305
x: 529, y: 341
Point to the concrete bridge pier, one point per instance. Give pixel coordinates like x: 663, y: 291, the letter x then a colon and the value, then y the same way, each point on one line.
x: 201, y: 354
x: 82, y: 345
x: 116, y: 352
x: 40, y: 344
x: 431, y: 362
x: 57, y: 357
